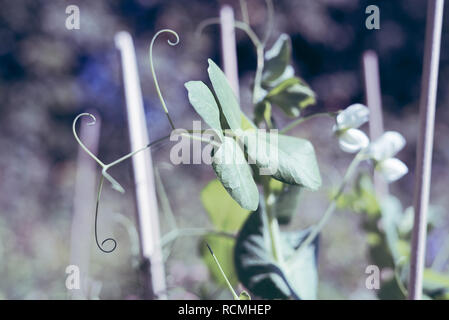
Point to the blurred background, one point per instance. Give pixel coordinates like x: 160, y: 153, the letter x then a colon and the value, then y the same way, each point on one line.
x: 49, y: 74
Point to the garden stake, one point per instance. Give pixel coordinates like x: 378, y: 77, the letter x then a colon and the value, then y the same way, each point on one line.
x: 374, y: 102
x: 228, y: 47
x: 147, y: 211
x: 429, y: 83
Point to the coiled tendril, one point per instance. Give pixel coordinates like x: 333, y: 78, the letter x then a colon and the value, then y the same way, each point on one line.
x: 96, y: 223
x: 161, y: 98
x: 104, y: 166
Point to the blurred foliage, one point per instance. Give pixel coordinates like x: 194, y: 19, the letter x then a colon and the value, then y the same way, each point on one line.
x: 388, y: 233
x: 225, y: 215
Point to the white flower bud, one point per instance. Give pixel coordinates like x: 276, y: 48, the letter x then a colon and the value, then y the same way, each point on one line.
x: 352, y: 117
x: 387, y: 146
x: 352, y: 140
x: 392, y: 169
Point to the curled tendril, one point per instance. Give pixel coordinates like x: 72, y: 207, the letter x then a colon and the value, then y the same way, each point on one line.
x: 96, y: 223
x: 237, y: 24
x: 105, y: 167
x: 245, y: 24
x: 161, y: 98
x: 94, y: 120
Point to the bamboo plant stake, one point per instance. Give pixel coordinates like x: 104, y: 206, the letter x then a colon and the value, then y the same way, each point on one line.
x: 83, y: 205
x: 374, y: 102
x: 429, y: 83
x: 147, y: 210
x: 228, y: 47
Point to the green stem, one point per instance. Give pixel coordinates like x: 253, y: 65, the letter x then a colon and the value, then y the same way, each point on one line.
x: 297, y: 122
x: 270, y: 20
x: 236, y: 297
x: 332, y: 206
x: 257, y: 44
x: 244, y: 9
x: 272, y: 224
x: 259, y: 71
x: 193, y: 232
x: 129, y: 155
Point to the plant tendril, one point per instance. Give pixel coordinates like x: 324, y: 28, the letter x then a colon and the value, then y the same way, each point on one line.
x: 161, y: 98
x: 96, y: 222
x: 237, y: 24
x: 270, y: 18
x: 94, y: 120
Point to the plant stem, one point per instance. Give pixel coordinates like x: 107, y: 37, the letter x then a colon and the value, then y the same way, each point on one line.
x: 193, y: 232
x: 257, y: 44
x: 258, y: 77
x: 244, y: 8
x: 273, y: 229
x: 236, y: 297
x: 272, y: 223
x: 331, y: 208
x: 297, y: 122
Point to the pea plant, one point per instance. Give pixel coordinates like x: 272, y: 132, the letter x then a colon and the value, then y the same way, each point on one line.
x: 262, y: 170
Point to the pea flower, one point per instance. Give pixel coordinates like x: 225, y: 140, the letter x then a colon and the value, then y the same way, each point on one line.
x: 350, y: 138
x: 383, y: 150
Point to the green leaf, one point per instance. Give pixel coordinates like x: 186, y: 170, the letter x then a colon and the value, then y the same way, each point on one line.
x: 434, y: 279
x: 247, y: 124
x: 258, y: 271
x: 203, y: 101
x: 226, y: 97
x: 234, y: 172
x: 262, y: 112
x: 362, y: 199
x: 244, y: 296
x: 290, y: 160
x: 277, y: 59
x: 436, y: 284
x: 291, y: 96
x: 226, y: 215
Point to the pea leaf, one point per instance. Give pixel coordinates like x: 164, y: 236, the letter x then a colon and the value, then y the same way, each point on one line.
x: 289, y: 159
x: 277, y: 59
x: 226, y: 215
x: 291, y: 96
x: 259, y: 272
x: 203, y: 101
x: 234, y: 172
x: 226, y: 97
